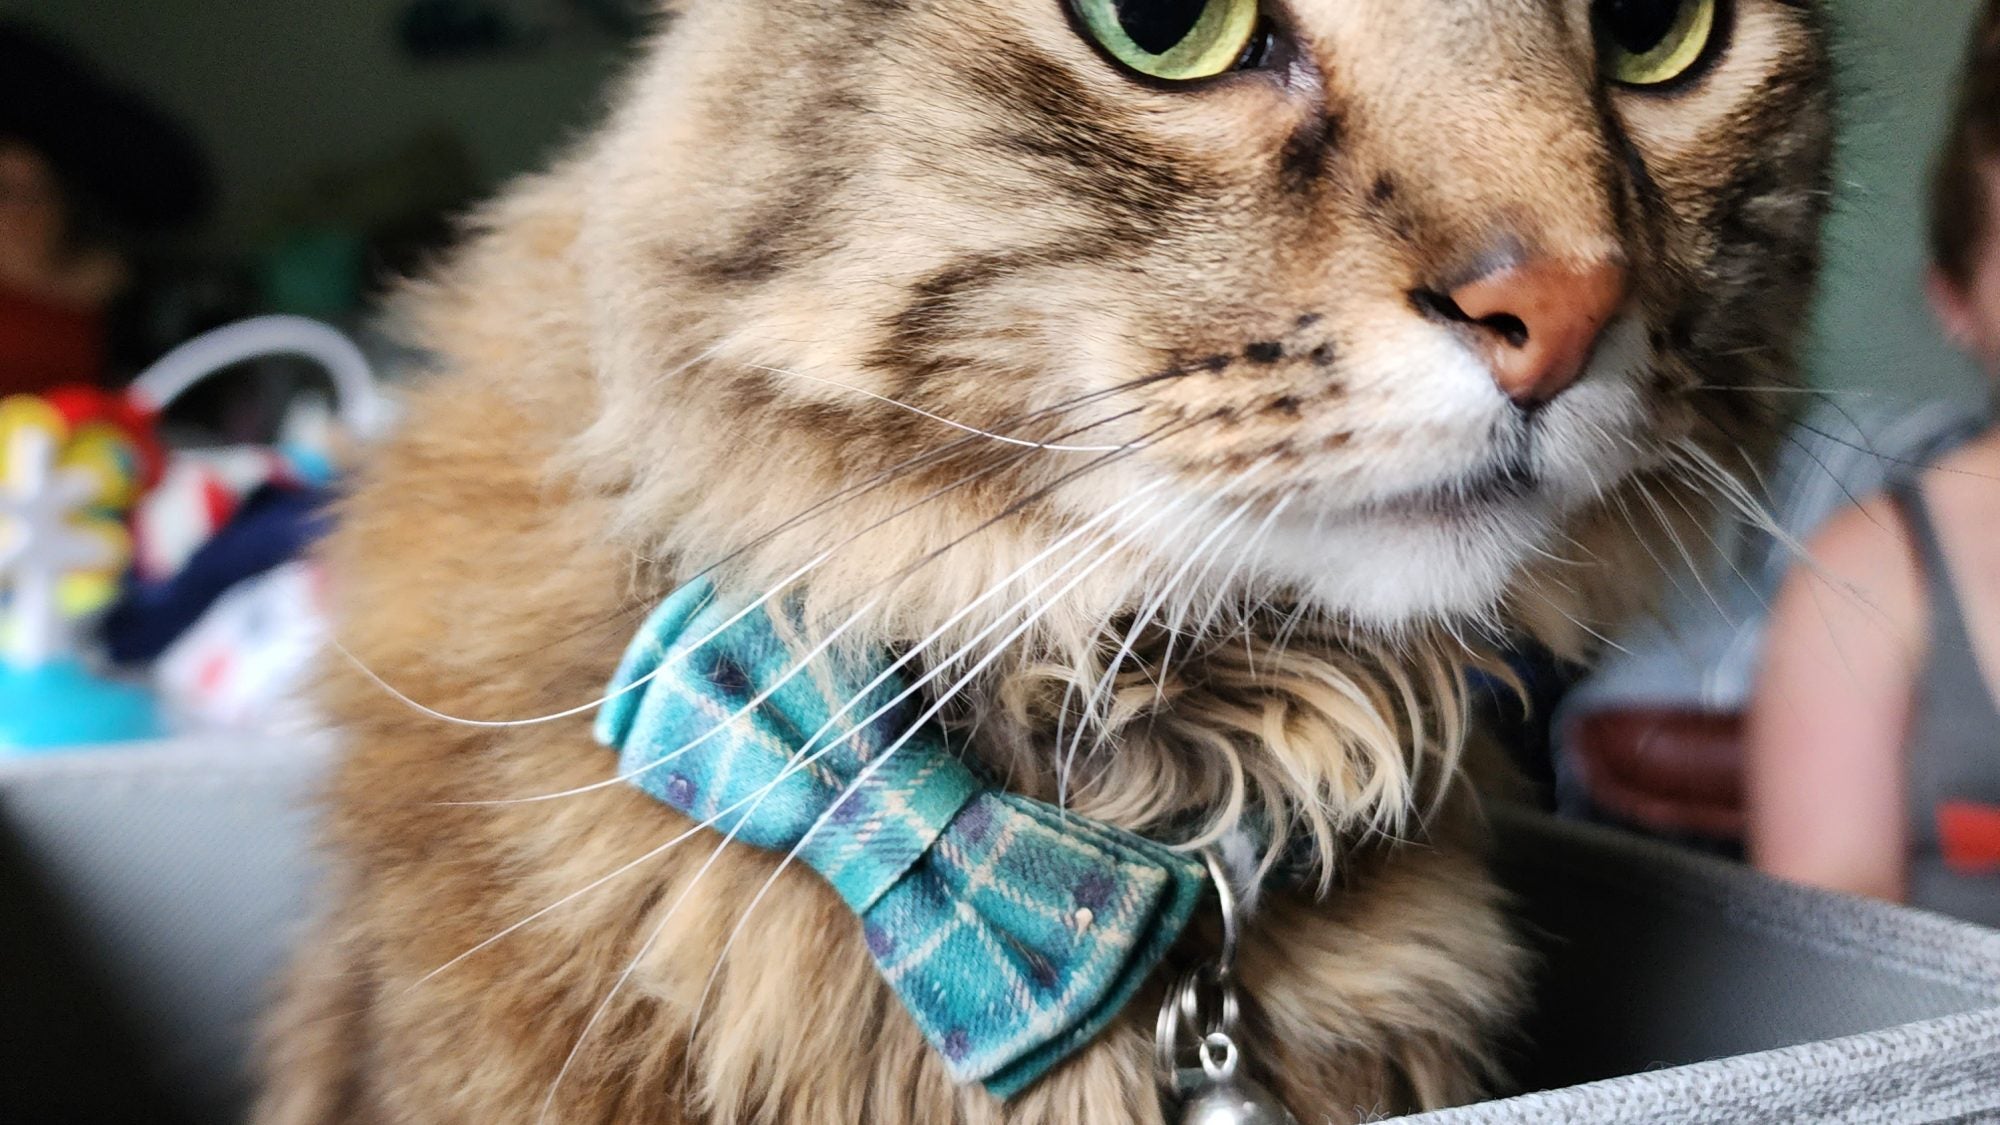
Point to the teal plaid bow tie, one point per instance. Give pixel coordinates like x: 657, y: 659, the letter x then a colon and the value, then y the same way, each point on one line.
x: 1012, y: 931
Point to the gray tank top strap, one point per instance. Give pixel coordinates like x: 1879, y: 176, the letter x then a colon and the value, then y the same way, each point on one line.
x: 1947, y: 613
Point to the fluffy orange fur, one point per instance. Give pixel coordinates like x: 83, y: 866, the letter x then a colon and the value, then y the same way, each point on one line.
x: 1161, y: 412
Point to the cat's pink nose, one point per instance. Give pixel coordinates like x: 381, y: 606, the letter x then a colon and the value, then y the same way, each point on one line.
x: 1537, y: 323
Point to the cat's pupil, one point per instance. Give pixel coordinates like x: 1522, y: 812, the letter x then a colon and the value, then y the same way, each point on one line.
x: 1637, y: 26
x: 1158, y: 26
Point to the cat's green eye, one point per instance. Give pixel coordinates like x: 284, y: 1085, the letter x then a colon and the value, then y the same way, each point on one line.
x: 1173, y: 40
x: 1652, y: 42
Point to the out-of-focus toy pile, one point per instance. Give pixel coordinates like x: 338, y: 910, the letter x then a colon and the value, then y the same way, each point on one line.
x: 147, y: 590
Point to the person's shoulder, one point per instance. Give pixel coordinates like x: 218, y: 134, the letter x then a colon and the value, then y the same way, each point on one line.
x: 1860, y: 568
x: 1867, y: 539
x: 1965, y: 483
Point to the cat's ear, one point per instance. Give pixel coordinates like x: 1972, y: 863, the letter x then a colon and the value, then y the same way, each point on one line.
x: 1952, y: 306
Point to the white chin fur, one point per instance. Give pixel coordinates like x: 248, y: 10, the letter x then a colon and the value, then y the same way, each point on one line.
x: 1392, y: 570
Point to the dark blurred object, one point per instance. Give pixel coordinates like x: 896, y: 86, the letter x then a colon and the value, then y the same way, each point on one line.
x: 318, y: 272
x: 462, y: 30
x: 86, y: 170
x: 69, y: 1056
x: 120, y: 162
x: 434, y: 30
x: 47, y: 343
x: 1675, y: 772
x: 627, y: 19
x: 174, y: 297
x: 359, y: 225
x: 1514, y: 710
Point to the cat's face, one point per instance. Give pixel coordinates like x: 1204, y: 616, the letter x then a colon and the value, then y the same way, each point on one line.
x: 1398, y: 289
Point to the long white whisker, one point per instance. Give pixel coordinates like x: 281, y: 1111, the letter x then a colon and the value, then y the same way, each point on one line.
x: 1139, y: 623
x: 597, y: 1014
x: 1243, y: 558
x: 937, y: 707
x: 695, y: 880
x: 1178, y: 620
x: 1694, y: 567
x: 568, y: 898
x: 1645, y: 541
x: 753, y: 800
x: 635, y: 685
x: 1688, y: 468
x: 805, y: 661
x: 776, y: 589
x: 1755, y: 514
x: 747, y: 709
x: 393, y: 692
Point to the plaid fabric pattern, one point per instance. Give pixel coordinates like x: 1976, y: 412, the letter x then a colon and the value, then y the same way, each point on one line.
x: 1011, y: 931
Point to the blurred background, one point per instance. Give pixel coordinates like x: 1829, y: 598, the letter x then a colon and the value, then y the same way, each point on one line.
x: 168, y: 167
x: 337, y: 140
x: 1900, y: 69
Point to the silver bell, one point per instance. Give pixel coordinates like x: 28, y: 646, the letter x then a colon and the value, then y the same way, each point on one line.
x: 1225, y: 1098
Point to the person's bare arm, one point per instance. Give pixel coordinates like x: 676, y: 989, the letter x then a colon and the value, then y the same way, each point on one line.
x: 1827, y: 725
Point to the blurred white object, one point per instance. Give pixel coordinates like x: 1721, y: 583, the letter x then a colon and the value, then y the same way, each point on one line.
x: 243, y: 665
x: 44, y: 537
x: 361, y: 406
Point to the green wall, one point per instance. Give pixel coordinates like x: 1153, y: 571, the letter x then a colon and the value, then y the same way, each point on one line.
x: 1875, y: 339
x: 280, y: 89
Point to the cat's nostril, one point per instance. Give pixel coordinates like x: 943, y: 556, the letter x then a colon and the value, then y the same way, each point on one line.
x: 1438, y: 306
x: 1508, y: 327
x: 1441, y: 306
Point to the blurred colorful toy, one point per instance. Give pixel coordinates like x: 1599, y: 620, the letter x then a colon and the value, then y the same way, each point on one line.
x: 74, y: 466
x: 199, y: 493
x: 67, y: 477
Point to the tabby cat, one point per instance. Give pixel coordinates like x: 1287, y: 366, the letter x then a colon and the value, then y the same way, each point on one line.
x: 1196, y: 387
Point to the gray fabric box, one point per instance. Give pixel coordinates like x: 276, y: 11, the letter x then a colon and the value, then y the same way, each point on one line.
x: 1676, y: 988
x: 1672, y: 989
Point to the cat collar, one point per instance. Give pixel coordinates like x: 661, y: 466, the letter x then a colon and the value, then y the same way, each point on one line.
x: 1011, y: 930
